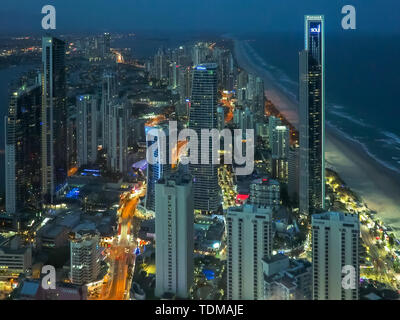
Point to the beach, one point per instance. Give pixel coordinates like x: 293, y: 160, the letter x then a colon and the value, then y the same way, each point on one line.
x: 378, y: 186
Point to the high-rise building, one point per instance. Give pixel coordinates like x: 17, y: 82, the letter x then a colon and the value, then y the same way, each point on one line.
x: 273, y: 122
x: 106, y: 45
x: 173, y: 73
x: 203, y: 115
x: 117, y: 144
x: 54, y: 118
x: 72, y: 142
x: 22, y: 148
x: 246, y: 121
x: 265, y: 192
x: 335, y: 246
x: 108, y: 92
x: 174, y: 235
x: 280, y: 142
x: 85, y: 257
x: 160, y: 162
x: 87, y: 124
x: 280, y: 152
x: 160, y: 70
x: 249, y: 240
x: 259, y: 99
x: 312, y: 117
x: 293, y: 173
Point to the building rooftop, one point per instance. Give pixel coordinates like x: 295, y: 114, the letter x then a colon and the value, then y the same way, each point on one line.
x: 29, y: 288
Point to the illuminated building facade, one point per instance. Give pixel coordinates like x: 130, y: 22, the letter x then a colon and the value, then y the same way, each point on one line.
x: 87, y: 118
x: 335, y: 244
x: 203, y: 115
x: 249, y: 240
x: 22, y: 148
x: 312, y: 117
x: 174, y: 235
x: 54, y: 118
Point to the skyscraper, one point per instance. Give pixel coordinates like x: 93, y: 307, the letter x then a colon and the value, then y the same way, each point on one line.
x: 117, y: 144
x: 335, y: 242
x: 312, y: 117
x: 159, y: 167
x: 108, y: 92
x: 249, y: 241
x: 87, y: 129
x: 280, y: 142
x: 54, y: 118
x: 22, y: 148
x: 85, y: 257
x: 280, y: 152
x: 293, y: 173
x: 160, y: 65
x: 106, y: 45
x: 174, y: 235
x: 203, y: 115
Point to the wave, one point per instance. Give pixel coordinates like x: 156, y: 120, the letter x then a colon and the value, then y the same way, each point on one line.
x: 350, y: 118
x: 274, y: 73
x: 281, y: 79
x: 364, y: 147
x: 393, y: 138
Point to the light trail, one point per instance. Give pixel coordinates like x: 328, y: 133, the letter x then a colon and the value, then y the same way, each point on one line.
x: 121, y: 253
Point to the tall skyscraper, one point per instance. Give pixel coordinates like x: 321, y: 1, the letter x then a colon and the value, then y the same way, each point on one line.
x: 54, y: 118
x: 106, y: 45
x: 108, y: 92
x: 203, y: 115
x: 259, y: 99
x: 174, y: 235
x: 87, y: 129
x: 249, y: 241
x: 335, y: 243
x: 85, y: 257
x: 280, y: 152
x: 312, y: 117
x: 72, y: 143
x: 117, y: 144
x: 293, y: 173
x: 280, y: 142
x: 185, y: 84
x: 157, y: 169
x: 273, y: 122
x: 160, y: 71
x: 22, y: 148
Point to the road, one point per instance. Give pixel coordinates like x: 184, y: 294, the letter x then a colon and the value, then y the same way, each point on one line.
x: 117, y: 282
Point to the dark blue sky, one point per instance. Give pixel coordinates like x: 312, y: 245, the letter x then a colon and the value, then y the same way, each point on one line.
x: 23, y: 16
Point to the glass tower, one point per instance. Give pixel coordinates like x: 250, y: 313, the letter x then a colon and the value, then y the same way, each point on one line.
x: 312, y: 117
x: 54, y: 118
x: 203, y: 115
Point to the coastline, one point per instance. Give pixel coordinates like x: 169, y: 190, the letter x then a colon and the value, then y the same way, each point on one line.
x: 378, y: 186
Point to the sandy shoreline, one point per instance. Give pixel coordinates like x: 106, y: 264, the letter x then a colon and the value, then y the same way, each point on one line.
x: 378, y: 186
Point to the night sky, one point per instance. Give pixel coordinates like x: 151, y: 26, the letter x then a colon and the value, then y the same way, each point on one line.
x: 24, y: 16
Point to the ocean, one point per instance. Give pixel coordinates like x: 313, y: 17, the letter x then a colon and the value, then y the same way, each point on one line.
x: 362, y: 85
